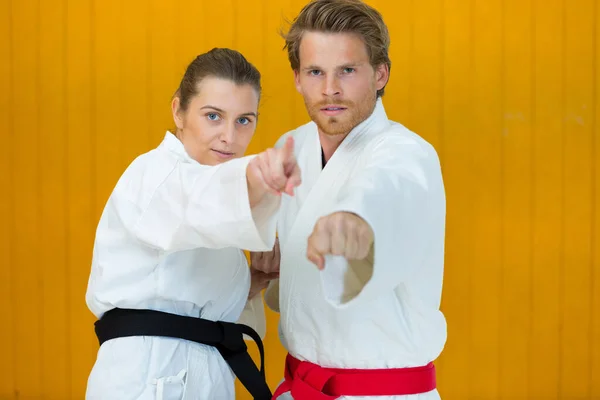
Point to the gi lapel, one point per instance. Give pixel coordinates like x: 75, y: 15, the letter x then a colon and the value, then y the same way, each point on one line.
x: 326, y: 182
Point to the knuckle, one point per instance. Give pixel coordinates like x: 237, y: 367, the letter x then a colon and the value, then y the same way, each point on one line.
x: 340, y: 224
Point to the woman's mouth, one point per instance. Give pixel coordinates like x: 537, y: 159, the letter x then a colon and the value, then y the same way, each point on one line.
x: 223, y: 154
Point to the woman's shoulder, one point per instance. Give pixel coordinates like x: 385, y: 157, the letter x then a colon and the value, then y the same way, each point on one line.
x: 144, y: 175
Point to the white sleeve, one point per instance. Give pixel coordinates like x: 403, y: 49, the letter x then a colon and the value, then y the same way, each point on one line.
x: 193, y: 206
x: 400, y: 194
x: 254, y: 316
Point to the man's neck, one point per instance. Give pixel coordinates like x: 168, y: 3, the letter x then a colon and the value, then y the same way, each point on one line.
x: 329, y: 144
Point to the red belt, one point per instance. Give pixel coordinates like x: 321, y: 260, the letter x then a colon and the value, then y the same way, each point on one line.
x: 307, y: 381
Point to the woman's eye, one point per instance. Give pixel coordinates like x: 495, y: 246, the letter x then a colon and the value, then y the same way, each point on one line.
x: 244, y: 121
x: 212, y: 116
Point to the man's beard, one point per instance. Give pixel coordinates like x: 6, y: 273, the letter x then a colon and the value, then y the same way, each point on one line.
x: 354, y: 114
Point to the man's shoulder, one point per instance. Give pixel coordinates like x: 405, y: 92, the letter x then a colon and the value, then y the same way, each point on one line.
x: 398, y: 135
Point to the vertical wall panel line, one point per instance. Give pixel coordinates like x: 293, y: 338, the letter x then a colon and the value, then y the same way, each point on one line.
x: 594, y: 193
x: 149, y: 91
x: 533, y: 187
x: 501, y: 177
x: 595, y: 277
x: 596, y: 233
x: 39, y: 284
x: 411, y: 54
x: 235, y: 17
x: 11, y: 180
x: 470, y: 390
x: 440, y: 149
x: 121, y: 115
x: 93, y: 116
x: 67, y: 236
x: 262, y: 142
x: 561, y: 287
x: 7, y: 339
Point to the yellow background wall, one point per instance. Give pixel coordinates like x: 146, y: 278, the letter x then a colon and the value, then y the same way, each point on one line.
x: 506, y: 90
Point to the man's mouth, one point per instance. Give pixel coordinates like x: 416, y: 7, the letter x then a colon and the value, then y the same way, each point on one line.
x: 332, y: 110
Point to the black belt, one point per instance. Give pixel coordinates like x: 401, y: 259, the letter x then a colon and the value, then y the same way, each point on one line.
x: 226, y: 337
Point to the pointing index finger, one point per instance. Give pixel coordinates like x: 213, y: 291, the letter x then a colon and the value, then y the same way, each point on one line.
x: 288, y: 149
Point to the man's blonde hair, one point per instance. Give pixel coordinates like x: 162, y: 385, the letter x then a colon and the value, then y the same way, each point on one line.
x: 341, y: 16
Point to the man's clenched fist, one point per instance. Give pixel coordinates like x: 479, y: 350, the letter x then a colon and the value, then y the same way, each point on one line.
x: 341, y: 233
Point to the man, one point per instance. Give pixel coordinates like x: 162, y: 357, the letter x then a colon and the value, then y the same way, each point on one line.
x: 362, y: 240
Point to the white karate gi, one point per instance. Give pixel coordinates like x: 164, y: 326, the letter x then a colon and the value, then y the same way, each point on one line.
x: 169, y: 239
x: 381, y: 314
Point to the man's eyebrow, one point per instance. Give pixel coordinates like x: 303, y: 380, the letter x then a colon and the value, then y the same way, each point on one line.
x: 347, y: 65
x: 310, y: 67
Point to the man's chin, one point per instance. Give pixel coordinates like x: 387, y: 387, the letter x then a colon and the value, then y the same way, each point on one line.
x: 333, y: 128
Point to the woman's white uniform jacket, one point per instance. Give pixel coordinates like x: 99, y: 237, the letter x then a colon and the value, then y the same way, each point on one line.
x: 170, y: 239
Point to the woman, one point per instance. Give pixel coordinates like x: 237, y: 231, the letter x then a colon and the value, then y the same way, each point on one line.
x: 167, y: 261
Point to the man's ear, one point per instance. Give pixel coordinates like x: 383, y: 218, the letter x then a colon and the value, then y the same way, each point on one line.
x: 382, y: 75
x: 297, y: 81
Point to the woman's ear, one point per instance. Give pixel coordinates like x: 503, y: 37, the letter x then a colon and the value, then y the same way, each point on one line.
x: 177, y: 114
